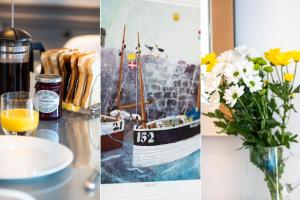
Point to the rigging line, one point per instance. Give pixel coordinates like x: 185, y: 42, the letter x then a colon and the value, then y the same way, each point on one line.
x: 177, y: 99
x: 190, y: 91
x: 108, y: 96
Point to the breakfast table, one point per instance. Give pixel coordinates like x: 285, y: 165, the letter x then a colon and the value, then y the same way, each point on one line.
x: 80, y: 133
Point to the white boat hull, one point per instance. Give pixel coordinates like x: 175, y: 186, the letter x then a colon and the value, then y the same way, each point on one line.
x: 164, y: 145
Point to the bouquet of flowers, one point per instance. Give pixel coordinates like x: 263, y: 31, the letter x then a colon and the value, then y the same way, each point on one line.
x: 256, y: 96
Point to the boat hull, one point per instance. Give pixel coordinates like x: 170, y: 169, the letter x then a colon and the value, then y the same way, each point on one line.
x: 112, y: 135
x: 163, y: 145
x: 112, y: 141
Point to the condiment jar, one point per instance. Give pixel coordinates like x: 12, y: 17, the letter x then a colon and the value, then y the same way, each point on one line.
x: 48, y: 90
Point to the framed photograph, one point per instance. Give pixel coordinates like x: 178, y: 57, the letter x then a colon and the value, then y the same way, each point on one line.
x: 150, y: 80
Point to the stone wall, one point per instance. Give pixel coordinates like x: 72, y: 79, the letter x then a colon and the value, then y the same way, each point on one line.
x: 169, y: 83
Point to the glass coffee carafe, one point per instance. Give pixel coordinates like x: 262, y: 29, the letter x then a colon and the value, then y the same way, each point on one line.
x: 16, y: 60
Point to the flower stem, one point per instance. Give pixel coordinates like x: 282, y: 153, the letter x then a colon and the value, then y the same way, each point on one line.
x: 279, y: 79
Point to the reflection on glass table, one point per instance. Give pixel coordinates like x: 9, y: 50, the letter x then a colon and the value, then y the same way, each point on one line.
x: 81, y: 134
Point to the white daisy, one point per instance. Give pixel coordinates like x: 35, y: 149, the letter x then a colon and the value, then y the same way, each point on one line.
x: 212, y: 83
x: 246, y: 51
x: 229, y: 56
x: 254, y: 83
x: 219, y: 69
x: 246, y: 68
x: 233, y: 73
x: 232, y: 94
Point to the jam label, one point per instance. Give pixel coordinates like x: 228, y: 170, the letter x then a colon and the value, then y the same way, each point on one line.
x: 48, y: 101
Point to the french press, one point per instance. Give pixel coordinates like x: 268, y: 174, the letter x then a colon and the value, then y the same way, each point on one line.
x: 16, y: 58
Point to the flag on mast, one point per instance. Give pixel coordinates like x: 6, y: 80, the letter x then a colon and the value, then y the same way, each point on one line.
x: 132, y: 64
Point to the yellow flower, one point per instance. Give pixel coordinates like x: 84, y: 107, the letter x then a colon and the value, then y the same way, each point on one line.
x: 210, y: 66
x: 284, y: 58
x: 293, y: 95
x: 288, y: 77
x: 295, y: 55
x: 131, y: 56
x: 272, y: 54
x: 210, y: 60
x: 276, y: 57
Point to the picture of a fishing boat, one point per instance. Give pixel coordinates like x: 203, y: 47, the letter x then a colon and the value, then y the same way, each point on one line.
x: 164, y: 140
x: 150, y: 125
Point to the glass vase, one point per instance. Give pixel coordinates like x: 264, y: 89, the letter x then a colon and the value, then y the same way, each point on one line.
x: 273, y: 173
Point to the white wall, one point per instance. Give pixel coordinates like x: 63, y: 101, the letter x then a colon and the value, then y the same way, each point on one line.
x: 262, y: 24
x: 223, y: 168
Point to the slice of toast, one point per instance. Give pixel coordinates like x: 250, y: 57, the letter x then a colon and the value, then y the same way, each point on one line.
x: 83, y: 74
x: 91, y: 94
x: 73, y: 77
x: 45, y: 60
x: 54, y: 61
x: 64, y: 60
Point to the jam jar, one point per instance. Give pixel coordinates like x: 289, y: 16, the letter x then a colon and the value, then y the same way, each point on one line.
x: 48, y: 94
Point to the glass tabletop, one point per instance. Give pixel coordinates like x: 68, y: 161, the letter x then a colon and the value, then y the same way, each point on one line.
x: 81, y: 134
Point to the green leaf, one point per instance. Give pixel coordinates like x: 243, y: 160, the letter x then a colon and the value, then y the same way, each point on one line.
x: 220, y: 124
x: 297, y: 89
x: 210, y: 114
x: 262, y: 92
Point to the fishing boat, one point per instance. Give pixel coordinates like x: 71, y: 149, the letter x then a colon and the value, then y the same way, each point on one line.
x: 165, y: 140
x: 112, y: 128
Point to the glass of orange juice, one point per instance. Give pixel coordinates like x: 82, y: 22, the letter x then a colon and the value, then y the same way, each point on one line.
x: 19, y: 116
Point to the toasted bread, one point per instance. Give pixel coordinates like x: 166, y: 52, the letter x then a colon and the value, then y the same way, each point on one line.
x: 83, y: 74
x: 74, y: 76
x: 90, y: 95
x: 64, y: 60
x: 54, y: 61
x: 46, y: 60
x: 44, y: 63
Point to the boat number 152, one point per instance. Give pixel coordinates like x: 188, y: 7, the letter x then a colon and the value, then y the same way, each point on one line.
x: 145, y: 137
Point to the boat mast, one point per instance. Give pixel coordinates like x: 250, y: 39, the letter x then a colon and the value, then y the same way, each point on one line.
x: 199, y: 92
x: 118, y: 98
x: 143, y: 113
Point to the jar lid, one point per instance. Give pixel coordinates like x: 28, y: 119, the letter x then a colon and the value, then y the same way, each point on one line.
x: 48, y: 78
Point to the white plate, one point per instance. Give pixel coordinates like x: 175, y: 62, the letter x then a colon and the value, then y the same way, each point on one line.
x: 6, y: 194
x: 24, y: 157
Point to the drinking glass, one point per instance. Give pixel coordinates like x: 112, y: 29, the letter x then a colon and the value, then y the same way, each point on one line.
x: 19, y: 116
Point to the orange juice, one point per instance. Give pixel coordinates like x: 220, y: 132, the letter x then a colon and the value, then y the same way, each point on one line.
x: 19, y: 120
